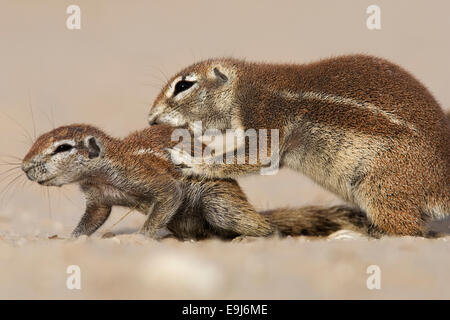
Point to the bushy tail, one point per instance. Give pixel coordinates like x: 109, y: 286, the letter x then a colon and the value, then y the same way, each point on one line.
x: 318, y: 221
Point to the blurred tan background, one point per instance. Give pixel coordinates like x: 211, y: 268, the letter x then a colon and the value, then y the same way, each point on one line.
x: 108, y: 73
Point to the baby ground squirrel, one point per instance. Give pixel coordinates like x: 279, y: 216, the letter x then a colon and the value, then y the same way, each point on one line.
x: 360, y: 126
x: 135, y: 172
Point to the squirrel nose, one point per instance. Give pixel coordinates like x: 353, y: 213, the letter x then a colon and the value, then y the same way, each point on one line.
x: 155, y: 115
x: 152, y: 119
x: 27, y: 166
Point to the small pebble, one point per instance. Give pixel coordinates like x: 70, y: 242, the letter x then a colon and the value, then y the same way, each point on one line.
x: 108, y: 235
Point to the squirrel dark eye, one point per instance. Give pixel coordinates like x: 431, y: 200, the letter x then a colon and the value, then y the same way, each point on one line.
x: 182, y: 85
x: 63, y: 148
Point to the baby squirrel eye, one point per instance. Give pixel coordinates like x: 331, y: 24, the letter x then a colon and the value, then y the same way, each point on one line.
x: 63, y: 148
x: 182, y: 85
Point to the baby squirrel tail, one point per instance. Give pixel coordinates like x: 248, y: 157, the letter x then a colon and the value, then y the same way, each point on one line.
x: 318, y: 221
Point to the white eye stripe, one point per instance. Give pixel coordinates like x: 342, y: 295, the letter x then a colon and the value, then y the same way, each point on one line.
x: 61, y: 142
x: 171, y: 90
x: 191, y: 77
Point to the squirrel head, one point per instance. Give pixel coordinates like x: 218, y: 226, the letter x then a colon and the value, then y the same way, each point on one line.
x: 64, y: 155
x: 201, y: 92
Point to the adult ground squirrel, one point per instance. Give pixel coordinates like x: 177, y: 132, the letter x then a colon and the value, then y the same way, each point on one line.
x: 360, y: 126
x: 135, y: 172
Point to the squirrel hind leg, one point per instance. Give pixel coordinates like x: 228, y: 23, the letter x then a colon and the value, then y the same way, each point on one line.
x: 226, y: 209
x: 401, y: 221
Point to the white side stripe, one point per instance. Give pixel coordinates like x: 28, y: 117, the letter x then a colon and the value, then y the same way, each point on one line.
x: 143, y: 151
x: 330, y: 98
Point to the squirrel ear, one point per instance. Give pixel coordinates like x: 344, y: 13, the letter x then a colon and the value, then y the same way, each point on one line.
x: 220, y: 75
x: 94, y: 146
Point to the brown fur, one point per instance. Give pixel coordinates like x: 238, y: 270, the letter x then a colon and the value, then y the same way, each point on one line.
x: 360, y: 126
x: 124, y: 175
x: 317, y: 221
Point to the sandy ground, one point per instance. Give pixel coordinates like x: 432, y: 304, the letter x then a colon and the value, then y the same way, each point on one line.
x: 132, y: 266
x: 108, y: 73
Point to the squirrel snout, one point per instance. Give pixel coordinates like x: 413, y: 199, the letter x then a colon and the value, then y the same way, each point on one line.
x: 26, y: 166
x: 152, y: 119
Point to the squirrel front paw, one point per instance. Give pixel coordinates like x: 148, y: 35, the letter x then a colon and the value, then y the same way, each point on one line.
x: 184, y: 162
x: 152, y: 233
x: 244, y: 239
